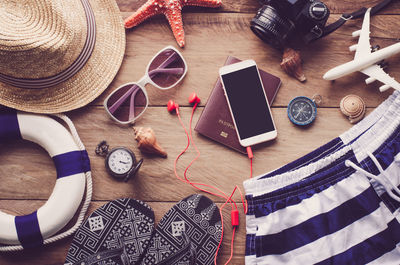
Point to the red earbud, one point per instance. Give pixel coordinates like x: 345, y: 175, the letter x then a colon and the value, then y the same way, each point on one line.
x: 193, y: 98
x: 171, y: 106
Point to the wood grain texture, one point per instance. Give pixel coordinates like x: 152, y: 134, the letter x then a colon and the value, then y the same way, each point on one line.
x: 28, y: 174
x: 230, y: 35
x: 217, y: 165
x: 251, y: 6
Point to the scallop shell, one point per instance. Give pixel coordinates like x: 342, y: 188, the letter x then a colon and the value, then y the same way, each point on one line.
x: 147, y: 142
x: 291, y: 64
x: 353, y: 107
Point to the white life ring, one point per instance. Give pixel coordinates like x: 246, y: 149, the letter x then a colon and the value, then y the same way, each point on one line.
x: 71, y: 164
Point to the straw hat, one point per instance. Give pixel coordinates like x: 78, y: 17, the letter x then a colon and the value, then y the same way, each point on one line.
x: 58, y: 55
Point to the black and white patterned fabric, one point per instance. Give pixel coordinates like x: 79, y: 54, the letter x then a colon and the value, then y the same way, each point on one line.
x: 119, y: 232
x: 189, y: 233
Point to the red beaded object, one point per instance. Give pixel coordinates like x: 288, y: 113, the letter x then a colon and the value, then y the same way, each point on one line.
x: 172, y: 9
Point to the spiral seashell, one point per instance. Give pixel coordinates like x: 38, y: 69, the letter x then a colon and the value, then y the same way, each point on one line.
x: 291, y: 64
x: 147, y: 142
x: 353, y: 107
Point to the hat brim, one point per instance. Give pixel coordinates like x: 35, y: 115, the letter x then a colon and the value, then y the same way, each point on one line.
x: 90, y: 81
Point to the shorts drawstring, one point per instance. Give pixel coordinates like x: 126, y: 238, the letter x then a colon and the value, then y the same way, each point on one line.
x: 383, y: 179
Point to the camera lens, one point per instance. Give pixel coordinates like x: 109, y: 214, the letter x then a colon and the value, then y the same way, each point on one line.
x: 272, y: 28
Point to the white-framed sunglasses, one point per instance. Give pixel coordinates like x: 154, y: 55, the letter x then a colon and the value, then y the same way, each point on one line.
x: 165, y: 70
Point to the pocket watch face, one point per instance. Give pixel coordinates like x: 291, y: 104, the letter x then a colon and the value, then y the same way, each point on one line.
x: 120, y: 161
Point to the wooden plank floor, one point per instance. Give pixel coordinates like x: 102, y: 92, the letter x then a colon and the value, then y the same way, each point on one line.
x: 28, y: 176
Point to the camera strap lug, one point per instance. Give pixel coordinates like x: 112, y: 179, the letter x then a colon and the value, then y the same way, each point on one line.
x: 315, y: 33
x: 345, y: 17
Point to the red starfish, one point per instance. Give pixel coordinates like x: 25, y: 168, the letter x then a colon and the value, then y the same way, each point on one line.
x: 172, y: 9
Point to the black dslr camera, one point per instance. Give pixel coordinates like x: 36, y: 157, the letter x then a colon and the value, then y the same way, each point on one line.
x: 282, y: 22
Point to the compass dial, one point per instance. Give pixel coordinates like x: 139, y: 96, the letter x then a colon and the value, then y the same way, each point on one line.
x: 302, y: 111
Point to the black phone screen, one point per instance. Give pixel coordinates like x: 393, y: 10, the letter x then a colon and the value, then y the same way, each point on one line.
x: 248, y: 102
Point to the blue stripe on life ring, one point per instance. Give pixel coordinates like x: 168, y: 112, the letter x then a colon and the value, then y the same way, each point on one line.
x: 28, y: 230
x: 9, y: 127
x: 71, y: 163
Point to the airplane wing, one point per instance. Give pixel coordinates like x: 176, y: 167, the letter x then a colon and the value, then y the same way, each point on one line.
x: 364, y: 46
x: 376, y: 72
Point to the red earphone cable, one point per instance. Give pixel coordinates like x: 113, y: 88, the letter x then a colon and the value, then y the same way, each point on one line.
x: 183, y: 151
x: 249, y: 152
x: 191, y: 139
x: 197, y: 156
x: 244, y: 201
x: 250, y: 155
x: 228, y: 199
x: 186, y: 180
x: 222, y: 231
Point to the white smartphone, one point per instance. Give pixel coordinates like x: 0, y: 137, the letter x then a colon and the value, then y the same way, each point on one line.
x: 248, y: 103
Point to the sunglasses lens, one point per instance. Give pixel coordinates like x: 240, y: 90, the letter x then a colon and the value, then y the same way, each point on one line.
x: 167, y: 68
x: 127, y: 103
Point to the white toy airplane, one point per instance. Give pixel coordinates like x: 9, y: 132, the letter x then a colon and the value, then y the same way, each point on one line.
x: 367, y: 61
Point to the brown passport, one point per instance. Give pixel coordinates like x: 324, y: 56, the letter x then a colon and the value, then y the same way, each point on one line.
x: 216, y: 121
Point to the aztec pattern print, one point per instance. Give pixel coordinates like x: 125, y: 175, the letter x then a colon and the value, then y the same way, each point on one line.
x: 189, y: 233
x: 119, y: 232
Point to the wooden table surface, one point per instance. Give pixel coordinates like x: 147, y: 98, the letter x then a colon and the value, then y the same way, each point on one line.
x: 27, y: 173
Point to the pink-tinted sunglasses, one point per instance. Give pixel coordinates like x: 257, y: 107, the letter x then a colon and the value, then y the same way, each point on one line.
x: 165, y: 70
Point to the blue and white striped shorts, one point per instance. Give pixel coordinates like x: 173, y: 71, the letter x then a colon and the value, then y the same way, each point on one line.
x: 339, y: 204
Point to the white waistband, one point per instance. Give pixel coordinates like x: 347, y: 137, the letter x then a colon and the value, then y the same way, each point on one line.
x: 374, y: 130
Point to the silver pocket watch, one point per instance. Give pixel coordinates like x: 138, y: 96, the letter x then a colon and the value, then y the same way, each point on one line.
x: 120, y: 162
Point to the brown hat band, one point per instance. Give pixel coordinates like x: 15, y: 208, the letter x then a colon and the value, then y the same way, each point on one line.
x: 72, y: 69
